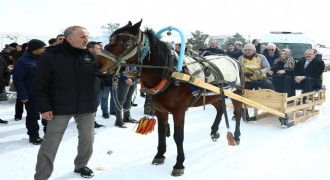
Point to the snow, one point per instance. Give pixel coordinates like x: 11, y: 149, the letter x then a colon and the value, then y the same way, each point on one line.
x: 266, y: 151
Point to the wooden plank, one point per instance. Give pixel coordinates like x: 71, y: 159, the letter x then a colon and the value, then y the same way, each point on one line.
x: 230, y: 94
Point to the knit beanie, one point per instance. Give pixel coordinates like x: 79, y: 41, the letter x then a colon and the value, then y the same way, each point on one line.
x: 35, y: 44
x: 249, y: 46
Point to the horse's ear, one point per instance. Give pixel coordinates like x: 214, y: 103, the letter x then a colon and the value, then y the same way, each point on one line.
x: 129, y: 23
x: 136, y: 27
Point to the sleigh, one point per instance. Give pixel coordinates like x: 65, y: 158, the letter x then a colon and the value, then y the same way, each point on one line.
x: 292, y: 107
x: 266, y: 102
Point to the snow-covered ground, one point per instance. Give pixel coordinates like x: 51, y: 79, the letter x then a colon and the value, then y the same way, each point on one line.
x: 267, y: 151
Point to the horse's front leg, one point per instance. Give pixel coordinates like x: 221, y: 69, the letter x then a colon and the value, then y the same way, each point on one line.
x: 178, y: 118
x: 215, y: 126
x: 162, y: 118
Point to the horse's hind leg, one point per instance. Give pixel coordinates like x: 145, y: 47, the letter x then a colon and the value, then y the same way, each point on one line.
x: 162, y: 118
x: 238, y: 114
x: 215, y: 127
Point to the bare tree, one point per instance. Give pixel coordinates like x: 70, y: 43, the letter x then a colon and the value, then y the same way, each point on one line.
x: 110, y: 28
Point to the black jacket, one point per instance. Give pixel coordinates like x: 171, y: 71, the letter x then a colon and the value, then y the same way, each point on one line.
x: 4, y: 74
x: 314, y: 69
x: 65, y: 81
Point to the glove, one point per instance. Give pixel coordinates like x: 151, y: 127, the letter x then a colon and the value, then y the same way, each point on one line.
x: 248, y: 74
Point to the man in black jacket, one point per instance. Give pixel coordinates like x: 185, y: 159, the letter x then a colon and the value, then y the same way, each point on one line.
x: 307, y: 74
x: 4, y: 80
x: 64, y: 90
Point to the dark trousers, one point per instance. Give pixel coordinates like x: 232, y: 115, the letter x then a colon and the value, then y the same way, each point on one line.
x: 306, y: 85
x: 261, y: 84
x: 277, y: 81
x: 32, y: 118
x: 18, y: 109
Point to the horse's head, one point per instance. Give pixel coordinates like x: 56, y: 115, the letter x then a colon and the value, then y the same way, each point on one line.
x: 124, y: 47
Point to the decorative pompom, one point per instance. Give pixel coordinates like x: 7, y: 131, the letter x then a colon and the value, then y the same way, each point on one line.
x: 146, y: 125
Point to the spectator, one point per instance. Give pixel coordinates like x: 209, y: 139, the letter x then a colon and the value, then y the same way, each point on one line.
x: 124, y: 93
x: 19, y: 106
x: 238, y: 52
x: 271, y: 53
x: 255, y: 67
x: 212, y: 49
x: 307, y: 74
x: 52, y: 42
x: 283, y: 68
x: 230, y: 50
x: 24, y: 75
x: 59, y: 39
x: 64, y: 90
x: 95, y: 49
x: 4, y: 80
x: 259, y: 47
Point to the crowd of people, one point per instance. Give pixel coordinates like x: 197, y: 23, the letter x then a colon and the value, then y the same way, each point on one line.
x: 58, y: 82
x: 268, y: 67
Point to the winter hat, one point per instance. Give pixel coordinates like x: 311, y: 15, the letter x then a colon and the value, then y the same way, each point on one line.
x: 238, y: 43
x: 14, y: 45
x: 35, y: 44
x: 249, y: 46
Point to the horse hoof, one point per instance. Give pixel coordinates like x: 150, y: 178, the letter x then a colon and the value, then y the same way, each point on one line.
x: 215, y: 137
x: 158, y: 161
x: 177, y: 172
x: 237, y: 142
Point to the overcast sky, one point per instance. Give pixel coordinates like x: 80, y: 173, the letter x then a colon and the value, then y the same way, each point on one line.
x: 213, y: 17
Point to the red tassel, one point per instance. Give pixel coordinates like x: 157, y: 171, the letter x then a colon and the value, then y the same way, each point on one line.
x: 146, y: 125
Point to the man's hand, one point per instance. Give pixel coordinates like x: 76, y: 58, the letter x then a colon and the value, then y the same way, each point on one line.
x: 129, y: 81
x: 24, y: 101
x: 47, y: 115
x: 280, y: 72
x: 298, y: 79
x: 248, y: 74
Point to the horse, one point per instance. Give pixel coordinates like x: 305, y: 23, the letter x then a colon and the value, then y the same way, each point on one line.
x: 129, y: 46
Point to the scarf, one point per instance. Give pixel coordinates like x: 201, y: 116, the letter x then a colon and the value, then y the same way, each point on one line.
x: 289, y: 62
x: 250, y: 57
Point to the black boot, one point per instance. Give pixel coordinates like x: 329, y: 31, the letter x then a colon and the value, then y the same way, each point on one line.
x: 35, y: 141
x: 96, y: 125
x: 3, y: 121
x: 84, y: 172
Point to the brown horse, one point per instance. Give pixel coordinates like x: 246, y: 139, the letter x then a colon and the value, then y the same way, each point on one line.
x: 129, y: 46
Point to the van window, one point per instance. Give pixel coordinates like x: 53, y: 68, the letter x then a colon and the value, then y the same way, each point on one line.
x: 298, y: 49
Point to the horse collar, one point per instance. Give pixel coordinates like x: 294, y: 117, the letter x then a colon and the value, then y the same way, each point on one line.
x: 160, y: 87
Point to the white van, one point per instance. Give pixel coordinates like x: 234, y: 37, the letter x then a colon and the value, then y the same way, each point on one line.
x: 297, y: 42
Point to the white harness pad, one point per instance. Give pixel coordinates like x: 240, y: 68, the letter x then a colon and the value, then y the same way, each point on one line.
x: 228, y: 67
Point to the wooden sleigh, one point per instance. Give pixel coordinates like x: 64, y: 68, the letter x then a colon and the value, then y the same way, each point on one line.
x: 293, y: 107
x: 267, y: 102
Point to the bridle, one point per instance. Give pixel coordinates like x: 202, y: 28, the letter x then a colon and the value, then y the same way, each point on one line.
x: 135, y: 45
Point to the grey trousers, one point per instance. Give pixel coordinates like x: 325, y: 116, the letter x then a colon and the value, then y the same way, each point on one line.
x: 53, y: 137
x: 125, y: 93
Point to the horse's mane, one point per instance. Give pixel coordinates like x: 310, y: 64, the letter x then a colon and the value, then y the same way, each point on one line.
x: 160, y: 51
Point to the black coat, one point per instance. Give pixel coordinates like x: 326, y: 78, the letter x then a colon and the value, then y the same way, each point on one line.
x: 65, y: 81
x: 314, y: 69
x: 4, y: 74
